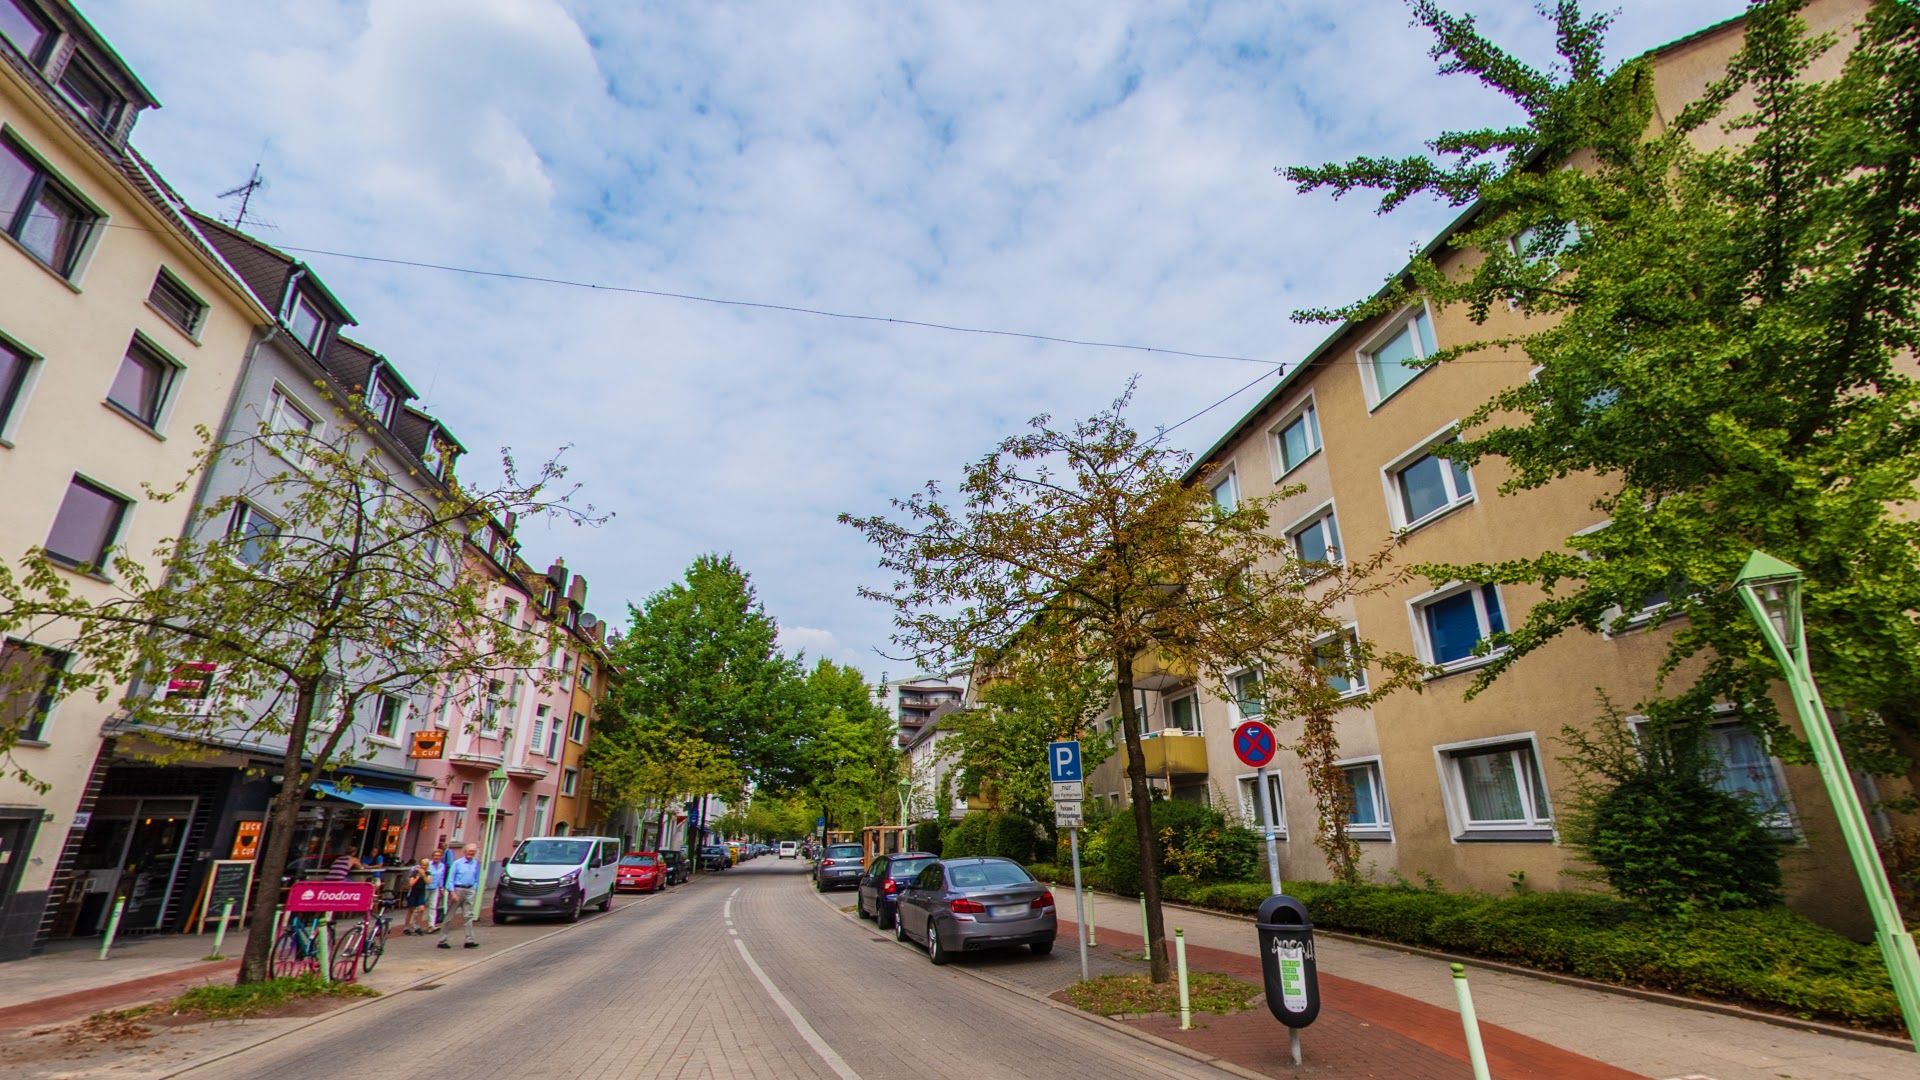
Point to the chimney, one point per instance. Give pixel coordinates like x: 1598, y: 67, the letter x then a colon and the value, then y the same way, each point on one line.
x: 577, y: 592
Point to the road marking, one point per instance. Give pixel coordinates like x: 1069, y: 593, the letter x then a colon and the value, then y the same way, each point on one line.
x: 812, y: 1037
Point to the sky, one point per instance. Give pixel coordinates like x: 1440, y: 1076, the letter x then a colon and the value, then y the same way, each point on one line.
x: 1095, y: 170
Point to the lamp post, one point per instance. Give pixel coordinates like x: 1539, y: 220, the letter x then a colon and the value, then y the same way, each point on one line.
x: 1771, y: 591
x: 496, y: 787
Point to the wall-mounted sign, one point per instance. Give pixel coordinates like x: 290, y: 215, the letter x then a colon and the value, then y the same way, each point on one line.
x: 246, y: 839
x: 191, y: 680
x: 431, y: 743
x: 458, y: 798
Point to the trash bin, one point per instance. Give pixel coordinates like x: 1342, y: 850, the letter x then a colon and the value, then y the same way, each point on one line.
x: 1286, y: 961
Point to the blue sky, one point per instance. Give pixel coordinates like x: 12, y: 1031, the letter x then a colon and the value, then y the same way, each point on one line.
x: 1093, y: 170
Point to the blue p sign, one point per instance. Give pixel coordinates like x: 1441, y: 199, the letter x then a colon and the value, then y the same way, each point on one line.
x: 1063, y: 761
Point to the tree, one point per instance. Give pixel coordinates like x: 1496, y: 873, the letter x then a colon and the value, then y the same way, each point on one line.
x: 641, y: 761
x: 848, y: 765
x: 1721, y: 327
x: 1086, y: 547
x: 363, y: 590
x: 1023, y: 710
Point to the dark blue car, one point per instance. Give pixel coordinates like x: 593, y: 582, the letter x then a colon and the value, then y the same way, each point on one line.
x: 880, y: 886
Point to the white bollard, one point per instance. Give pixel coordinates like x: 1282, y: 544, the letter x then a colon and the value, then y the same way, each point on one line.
x: 220, y: 933
x: 1146, y: 938
x: 113, y: 926
x: 1093, y: 923
x: 1180, y: 967
x: 1476, y: 1054
x: 325, y: 931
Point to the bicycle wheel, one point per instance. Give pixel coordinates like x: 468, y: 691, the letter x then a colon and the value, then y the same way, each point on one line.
x: 287, y: 959
x: 346, y: 955
x: 376, y: 946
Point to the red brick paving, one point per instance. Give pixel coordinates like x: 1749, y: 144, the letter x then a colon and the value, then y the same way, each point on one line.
x: 1362, y: 1031
x: 84, y: 1003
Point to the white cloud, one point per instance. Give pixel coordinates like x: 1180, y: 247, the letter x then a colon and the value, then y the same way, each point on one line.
x: 1087, y: 169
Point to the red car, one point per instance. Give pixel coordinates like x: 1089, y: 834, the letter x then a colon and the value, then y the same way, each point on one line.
x: 641, y: 871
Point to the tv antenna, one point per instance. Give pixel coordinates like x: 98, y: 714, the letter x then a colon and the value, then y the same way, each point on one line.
x: 245, y: 191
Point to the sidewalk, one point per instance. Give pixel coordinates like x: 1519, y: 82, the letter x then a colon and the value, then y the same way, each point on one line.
x: 1411, y: 997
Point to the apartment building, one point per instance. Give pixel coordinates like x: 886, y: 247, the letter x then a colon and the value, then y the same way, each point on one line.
x: 1465, y: 791
x: 915, y: 701
x: 121, y: 330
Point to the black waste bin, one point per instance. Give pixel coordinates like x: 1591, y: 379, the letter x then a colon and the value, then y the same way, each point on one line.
x: 1286, y: 961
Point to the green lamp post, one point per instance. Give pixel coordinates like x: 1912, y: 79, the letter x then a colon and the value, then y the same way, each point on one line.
x: 496, y: 787
x: 1771, y: 591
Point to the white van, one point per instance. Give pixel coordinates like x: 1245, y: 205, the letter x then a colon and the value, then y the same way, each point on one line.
x: 557, y: 875
x: 789, y: 849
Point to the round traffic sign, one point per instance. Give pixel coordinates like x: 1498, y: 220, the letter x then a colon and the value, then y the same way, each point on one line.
x: 1254, y: 744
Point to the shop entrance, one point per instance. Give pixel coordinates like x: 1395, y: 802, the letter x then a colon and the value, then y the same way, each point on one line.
x: 132, y: 851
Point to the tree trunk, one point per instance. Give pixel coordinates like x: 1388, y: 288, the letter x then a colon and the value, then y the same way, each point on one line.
x: 1142, y: 819
x: 282, y: 818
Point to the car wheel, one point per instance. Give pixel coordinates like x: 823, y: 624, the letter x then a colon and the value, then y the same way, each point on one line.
x: 860, y: 907
x: 606, y: 902
x: 881, y: 920
x: 936, y: 952
x: 899, y: 928
x: 573, y: 915
x: 1041, y: 948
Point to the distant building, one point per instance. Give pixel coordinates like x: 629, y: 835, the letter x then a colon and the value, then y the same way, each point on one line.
x: 913, y: 702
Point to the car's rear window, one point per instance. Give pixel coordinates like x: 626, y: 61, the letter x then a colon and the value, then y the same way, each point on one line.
x: 843, y: 851
x: 979, y: 875
x: 638, y: 860
x: 906, y: 868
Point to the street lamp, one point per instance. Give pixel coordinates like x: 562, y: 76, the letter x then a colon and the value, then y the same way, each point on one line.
x: 496, y: 787
x: 1771, y: 591
x: 906, y: 798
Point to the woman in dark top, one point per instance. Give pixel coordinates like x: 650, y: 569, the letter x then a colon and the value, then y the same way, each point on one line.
x: 416, y: 899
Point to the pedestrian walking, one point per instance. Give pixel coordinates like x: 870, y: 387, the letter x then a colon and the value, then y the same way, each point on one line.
x: 463, y: 896
x: 436, y: 889
x: 416, y: 902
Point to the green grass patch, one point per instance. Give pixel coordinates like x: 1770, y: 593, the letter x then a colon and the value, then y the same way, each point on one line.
x: 1131, y: 995
x: 252, y: 999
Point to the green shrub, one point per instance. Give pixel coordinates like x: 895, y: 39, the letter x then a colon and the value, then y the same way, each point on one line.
x: 1006, y: 836
x: 1180, y: 825
x: 926, y: 836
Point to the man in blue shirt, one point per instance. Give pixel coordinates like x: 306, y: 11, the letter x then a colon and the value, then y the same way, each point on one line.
x: 463, y: 887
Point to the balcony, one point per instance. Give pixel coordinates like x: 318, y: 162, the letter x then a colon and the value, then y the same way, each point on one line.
x: 1153, y: 671
x: 1174, y: 754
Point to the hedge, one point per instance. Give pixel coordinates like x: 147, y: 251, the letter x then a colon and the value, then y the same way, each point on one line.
x: 1007, y: 836
x: 1768, y: 958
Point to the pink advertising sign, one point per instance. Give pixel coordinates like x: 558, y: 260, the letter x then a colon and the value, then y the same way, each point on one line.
x: 307, y: 896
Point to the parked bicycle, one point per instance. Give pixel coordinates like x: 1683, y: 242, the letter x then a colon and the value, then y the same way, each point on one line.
x: 365, y: 942
x: 297, y: 951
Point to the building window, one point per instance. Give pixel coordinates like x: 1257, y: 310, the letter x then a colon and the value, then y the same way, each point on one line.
x: 327, y: 701
x: 1316, y: 544
x: 432, y: 458
x: 1368, y: 812
x: 1275, y: 808
x: 389, y: 712
x: 1454, y: 624
x: 29, y: 683
x: 542, y: 806
x: 1298, y: 439
x: 553, y: 742
x: 577, y: 731
x: 1226, y: 493
x: 140, y: 386
x: 539, y: 740
x: 47, y: 219
x: 569, y: 781
x: 308, y: 325
x: 380, y: 401
x: 14, y: 364
x: 585, y: 680
x: 297, y: 427
x: 1183, y: 713
x: 1498, y: 792
x: 180, y: 307
x: 1338, y: 658
x: 86, y: 526
x: 1536, y: 244
x: 1744, y: 768
x: 1427, y: 486
x: 250, y: 531
x: 1245, y: 686
x: 91, y: 94
x: 1395, y: 360
x: 24, y: 27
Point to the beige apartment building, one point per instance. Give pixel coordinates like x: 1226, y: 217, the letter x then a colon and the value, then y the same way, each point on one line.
x: 1465, y: 791
x: 120, y: 332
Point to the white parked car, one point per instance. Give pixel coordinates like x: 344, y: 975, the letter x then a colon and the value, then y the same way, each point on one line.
x: 789, y: 849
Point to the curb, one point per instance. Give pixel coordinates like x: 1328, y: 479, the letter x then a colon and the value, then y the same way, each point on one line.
x: 15, y: 1017
x: 1658, y: 997
x: 1100, y: 1021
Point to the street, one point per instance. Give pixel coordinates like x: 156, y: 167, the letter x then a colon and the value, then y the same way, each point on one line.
x: 669, y: 988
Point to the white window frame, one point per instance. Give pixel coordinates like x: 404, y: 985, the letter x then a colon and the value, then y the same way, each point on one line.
x: 1390, y: 482
x: 399, y: 720
x: 1326, y: 511
x: 1306, y: 408
x: 1390, y: 329
x: 579, y: 722
x: 1535, y: 828
x: 1785, y: 820
x: 1199, y: 723
x: 1348, y: 633
x: 569, y: 782
x: 537, y: 741
x: 1228, y: 478
x: 389, y: 399
x: 1423, y: 644
x: 245, y: 509
x: 29, y: 376
x: 1233, y: 695
x: 1275, y: 791
x: 281, y: 399
x: 1383, y: 810
x: 321, y: 323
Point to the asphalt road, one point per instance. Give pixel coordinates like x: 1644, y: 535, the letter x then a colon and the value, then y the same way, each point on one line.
x: 741, y: 973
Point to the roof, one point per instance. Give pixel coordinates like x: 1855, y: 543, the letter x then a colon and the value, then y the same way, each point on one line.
x: 86, y: 30
x: 265, y: 268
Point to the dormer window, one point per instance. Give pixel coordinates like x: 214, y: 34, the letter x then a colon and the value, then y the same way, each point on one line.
x: 307, y: 324
x: 380, y: 401
x: 24, y: 27
x: 432, y: 457
x: 91, y: 94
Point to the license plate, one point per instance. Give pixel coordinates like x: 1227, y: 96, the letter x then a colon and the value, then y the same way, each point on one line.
x: 1004, y: 910
x: 526, y: 903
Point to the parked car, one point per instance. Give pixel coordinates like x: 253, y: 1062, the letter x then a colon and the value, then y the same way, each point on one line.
x: 838, y: 867
x: 715, y: 857
x: 677, y: 868
x: 880, y: 886
x: 789, y: 849
x: 641, y: 871
x: 557, y: 875
x: 963, y: 905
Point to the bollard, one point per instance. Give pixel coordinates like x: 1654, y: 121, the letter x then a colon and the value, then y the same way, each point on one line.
x: 325, y: 930
x: 1146, y: 942
x: 113, y: 926
x: 1180, y: 968
x: 1093, y: 924
x: 1476, y: 1053
x: 220, y: 934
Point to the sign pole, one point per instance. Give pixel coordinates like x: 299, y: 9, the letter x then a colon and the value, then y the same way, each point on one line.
x: 1266, y: 817
x: 1079, y: 902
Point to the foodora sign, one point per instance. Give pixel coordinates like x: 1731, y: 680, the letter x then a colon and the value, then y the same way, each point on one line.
x: 331, y: 896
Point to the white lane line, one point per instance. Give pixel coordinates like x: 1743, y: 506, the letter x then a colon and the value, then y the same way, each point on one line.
x: 812, y: 1037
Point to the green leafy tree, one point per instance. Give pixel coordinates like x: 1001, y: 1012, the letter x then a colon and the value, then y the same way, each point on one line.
x: 1086, y: 547
x: 362, y: 592
x: 643, y: 761
x: 1023, y: 710
x: 848, y: 765
x: 1721, y: 308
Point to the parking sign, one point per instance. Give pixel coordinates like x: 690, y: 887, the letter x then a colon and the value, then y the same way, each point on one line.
x: 1063, y: 761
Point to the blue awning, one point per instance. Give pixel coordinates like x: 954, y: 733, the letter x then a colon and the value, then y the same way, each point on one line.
x: 373, y: 798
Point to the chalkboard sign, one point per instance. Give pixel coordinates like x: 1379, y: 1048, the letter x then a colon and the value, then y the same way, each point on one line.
x: 229, y: 879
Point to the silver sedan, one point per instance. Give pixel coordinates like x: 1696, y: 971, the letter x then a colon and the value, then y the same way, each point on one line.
x: 960, y: 905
